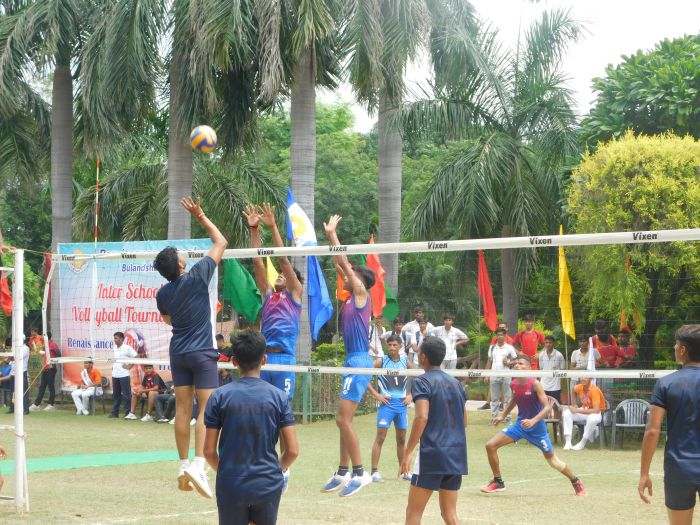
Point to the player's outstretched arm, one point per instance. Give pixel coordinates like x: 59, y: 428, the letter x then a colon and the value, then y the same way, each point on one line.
x: 267, y: 216
x: 358, y: 289
x: 291, y: 451
x: 251, y: 214
x: 216, y: 252
x: 649, y: 444
x: 420, y: 420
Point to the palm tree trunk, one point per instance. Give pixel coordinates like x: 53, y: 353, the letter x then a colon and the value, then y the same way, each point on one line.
x: 303, y: 156
x: 179, y: 161
x: 61, y: 171
x: 390, y: 150
x: 510, y: 292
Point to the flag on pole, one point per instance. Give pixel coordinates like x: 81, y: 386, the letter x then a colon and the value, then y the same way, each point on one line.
x: 270, y: 272
x: 5, y: 296
x: 377, y: 292
x: 567, y: 311
x: 486, y: 295
x: 591, y: 358
x: 240, y: 290
x: 341, y: 294
x: 391, y: 310
x: 301, y: 231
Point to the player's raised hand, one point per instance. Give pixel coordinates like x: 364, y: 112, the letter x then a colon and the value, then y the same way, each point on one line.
x: 192, y: 206
x: 250, y: 212
x: 332, y: 224
x: 645, y: 484
x: 267, y: 214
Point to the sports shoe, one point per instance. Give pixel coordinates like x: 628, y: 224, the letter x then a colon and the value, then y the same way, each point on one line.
x: 171, y: 422
x: 580, y: 445
x: 285, y: 480
x: 193, y: 422
x: 131, y: 416
x: 377, y: 478
x: 579, y: 488
x: 356, y: 483
x: 33, y: 408
x: 493, y: 486
x: 407, y: 476
x: 183, y: 483
x: 48, y: 408
x: 86, y: 412
x: 77, y: 412
x: 567, y: 446
x: 163, y: 420
x: 147, y: 417
x: 199, y: 480
x: 336, y: 482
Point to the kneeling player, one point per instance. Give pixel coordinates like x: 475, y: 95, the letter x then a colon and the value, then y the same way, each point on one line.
x: 529, y: 395
x: 392, y: 404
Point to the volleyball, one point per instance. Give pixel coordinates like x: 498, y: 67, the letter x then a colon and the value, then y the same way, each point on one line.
x: 203, y: 139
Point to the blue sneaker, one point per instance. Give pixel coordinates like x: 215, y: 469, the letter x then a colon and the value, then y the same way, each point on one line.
x: 285, y: 478
x: 356, y: 483
x: 336, y: 482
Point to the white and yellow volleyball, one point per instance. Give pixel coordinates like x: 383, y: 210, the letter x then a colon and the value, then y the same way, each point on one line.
x: 203, y: 139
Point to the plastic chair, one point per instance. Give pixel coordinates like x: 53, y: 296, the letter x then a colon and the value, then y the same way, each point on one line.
x: 554, y: 418
x: 634, y: 416
x: 606, y: 420
x: 100, y: 392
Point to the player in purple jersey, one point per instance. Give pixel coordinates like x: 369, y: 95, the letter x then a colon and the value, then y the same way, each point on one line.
x: 533, y: 407
x: 356, y: 315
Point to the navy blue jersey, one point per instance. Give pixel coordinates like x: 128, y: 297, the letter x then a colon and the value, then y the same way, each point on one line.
x: 679, y: 394
x: 186, y: 301
x: 250, y: 413
x: 443, y: 445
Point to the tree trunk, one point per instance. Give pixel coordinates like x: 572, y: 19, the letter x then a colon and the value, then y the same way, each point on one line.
x: 390, y: 150
x: 303, y: 157
x: 510, y: 292
x: 179, y: 160
x: 61, y: 172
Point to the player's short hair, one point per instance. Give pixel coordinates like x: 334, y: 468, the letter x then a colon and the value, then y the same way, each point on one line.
x: 248, y: 349
x: 501, y: 330
x: 434, y: 350
x: 394, y: 339
x: 119, y: 334
x: 366, y: 275
x: 604, y: 338
x: 601, y: 324
x: 524, y: 358
x: 448, y: 315
x: 689, y: 336
x: 148, y: 365
x: 88, y: 361
x: 528, y: 318
x: 418, y: 308
x: 423, y: 321
x: 34, y: 329
x: 219, y: 337
x: 167, y: 263
x: 582, y: 337
x: 397, y: 320
x: 549, y: 338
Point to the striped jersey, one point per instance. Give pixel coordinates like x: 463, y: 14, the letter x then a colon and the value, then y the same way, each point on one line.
x: 356, y: 326
x: 526, y: 398
x: 393, y: 386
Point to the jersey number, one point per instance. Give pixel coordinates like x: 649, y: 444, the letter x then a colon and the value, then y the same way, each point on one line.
x: 287, y: 385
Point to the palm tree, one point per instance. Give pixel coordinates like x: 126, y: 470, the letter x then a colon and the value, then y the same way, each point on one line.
x: 513, y: 113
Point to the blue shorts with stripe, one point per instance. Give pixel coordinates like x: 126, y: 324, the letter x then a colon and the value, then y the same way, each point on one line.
x: 393, y: 412
x: 282, y: 380
x: 537, y: 435
x: 355, y: 385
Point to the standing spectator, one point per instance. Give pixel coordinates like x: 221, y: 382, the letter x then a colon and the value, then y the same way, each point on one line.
x: 165, y: 405
x: 501, y: 355
x: 36, y: 342
x: 412, y: 326
x: 579, y: 358
x: 121, y: 375
x: 25, y: 375
x: 48, y: 378
x: 151, y: 385
x: 676, y: 396
x: 601, y: 326
x: 527, y: 341
x: 509, y: 339
x: 417, y: 339
x: 551, y: 359
x: 452, y: 337
x: 397, y: 325
x: 5, y: 380
x: 376, y: 336
x: 90, y: 383
x: 610, y: 354
x: 589, y: 413
x: 629, y: 352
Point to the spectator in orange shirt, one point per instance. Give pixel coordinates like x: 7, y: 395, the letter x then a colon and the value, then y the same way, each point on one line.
x: 36, y: 341
x: 90, y: 383
x: 589, y: 413
x: 629, y: 352
x: 527, y: 341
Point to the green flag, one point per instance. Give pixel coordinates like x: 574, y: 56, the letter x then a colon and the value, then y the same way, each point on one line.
x: 391, y: 310
x: 240, y: 290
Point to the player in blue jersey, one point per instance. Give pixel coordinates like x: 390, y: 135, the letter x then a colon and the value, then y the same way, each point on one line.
x: 184, y: 304
x: 244, y: 419
x: 356, y: 315
x: 533, y: 408
x: 677, y: 397
x: 439, y: 432
x: 393, y: 403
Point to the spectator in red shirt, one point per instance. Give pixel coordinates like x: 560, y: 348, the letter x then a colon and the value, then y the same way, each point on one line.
x: 509, y: 339
x: 527, y: 341
x: 151, y: 385
x: 610, y: 354
x: 48, y: 378
x: 629, y: 352
x: 602, y: 327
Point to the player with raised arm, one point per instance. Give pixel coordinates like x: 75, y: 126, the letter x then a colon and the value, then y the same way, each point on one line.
x: 184, y: 304
x: 533, y: 408
x: 356, y: 317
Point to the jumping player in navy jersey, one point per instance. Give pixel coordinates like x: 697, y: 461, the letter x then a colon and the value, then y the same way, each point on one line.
x: 356, y: 315
x: 244, y: 419
x: 533, y: 407
x: 393, y: 403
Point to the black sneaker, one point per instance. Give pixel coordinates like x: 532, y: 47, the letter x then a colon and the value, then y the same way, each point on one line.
x: 112, y: 416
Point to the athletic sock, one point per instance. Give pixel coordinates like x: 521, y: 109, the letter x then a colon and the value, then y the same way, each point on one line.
x: 574, y: 481
x: 200, y: 462
x: 357, y: 470
x: 498, y: 479
x: 342, y: 470
x: 184, y: 463
x: 374, y: 470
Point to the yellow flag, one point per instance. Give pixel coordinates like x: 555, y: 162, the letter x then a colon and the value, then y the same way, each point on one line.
x: 271, y: 272
x: 567, y: 312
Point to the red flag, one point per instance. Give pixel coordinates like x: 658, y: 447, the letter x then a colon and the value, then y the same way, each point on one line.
x: 378, y: 293
x: 5, y: 297
x: 486, y: 295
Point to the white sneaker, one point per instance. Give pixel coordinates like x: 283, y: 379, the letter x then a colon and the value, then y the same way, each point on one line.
x: 337, y: 482
x: 407, y: 476
x: 147, y: 417
x: 193, y: 422
x: 377, y: 478
x: 285, y: 477
x: 33, y: 408
x: 199, y: 480
x: 183, y: 483
x: 163, y: 420
x: 49, y: 408
x: 567, y: 446
x: 580, y: 445
x: 86, y: 412
x: 171, y: 422
x: 78, y: 412
x: 130, y: 416
x: 356, y: 483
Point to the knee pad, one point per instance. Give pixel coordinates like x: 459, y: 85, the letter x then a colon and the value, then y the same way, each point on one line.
x: 556, y: 463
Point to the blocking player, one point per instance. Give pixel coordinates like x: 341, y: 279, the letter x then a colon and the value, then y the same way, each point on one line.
x: 393, y: 401
x: 531, y: 400
x: 356, y: 314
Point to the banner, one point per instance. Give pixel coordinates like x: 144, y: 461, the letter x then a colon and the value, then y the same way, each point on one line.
x: 98, y: 298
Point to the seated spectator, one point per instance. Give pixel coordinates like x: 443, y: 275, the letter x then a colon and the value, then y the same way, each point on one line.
x: 5, y: 380
x: 610, y: 354
x: 589, y: 413
x: 165, y: 407
x: 629, y: 352
x: 90, y: 383
x: 151, y: 385
x: 580, y: 357
x: 224, y: 351
x: 225, y: 376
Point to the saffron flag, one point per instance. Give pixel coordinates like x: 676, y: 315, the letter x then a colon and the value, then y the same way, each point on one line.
x: 567, y: 311
x: 486, y: 295
x: 270, y: 272
x: 377, y: 292
x: 5, y: 297
x: 301, y: 231
x: 240, y: 290
x: 341, y: 294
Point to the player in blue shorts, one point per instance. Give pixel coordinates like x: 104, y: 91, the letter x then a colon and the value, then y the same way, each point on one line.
x: 677, y: 397
x: 393, y: 403
x: 533, y: 407
x: 356, y: 315
x: 244, y: 420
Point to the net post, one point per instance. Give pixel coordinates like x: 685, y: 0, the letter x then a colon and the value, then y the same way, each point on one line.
x: 306, y: 399
x: 21, y: 496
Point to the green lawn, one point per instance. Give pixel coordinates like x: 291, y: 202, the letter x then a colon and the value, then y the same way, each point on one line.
x: 146, y: 493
